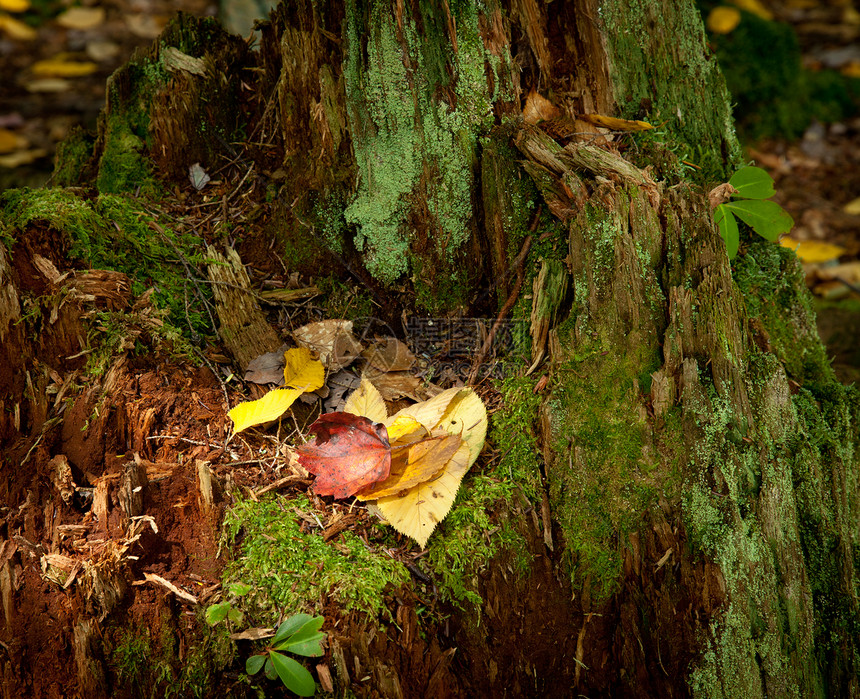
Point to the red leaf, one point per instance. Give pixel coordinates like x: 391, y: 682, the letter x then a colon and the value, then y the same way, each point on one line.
x: 348, y: 453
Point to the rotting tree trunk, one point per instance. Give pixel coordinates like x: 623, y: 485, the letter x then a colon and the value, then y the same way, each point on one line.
x: 702, y: 478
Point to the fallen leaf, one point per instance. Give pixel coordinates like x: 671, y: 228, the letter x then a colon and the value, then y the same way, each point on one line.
x: 390, y: 355
x: 56, y: 68
x: 417, y: 513
x: 348, y: 453
x: 723, y: 20
x: 16, y: 29
x: 367, y: 402
x: 402, y: 426
x: 332, y: 340
x: 414, y: 464
x: 302, y: 373
x: 812, y: 251
x: 144, y: 25
x: 15, y: 5
x: 303, y: 370
x: 266, y: 368
x: 846, y: 272
x: 81, y: 17
x: 615, y: 124
x: 22, y: 157
x: 396, y: 384
x: 10, y: 141
x: 48, y: 85
x: 538, y: 108
x: 102, y: 50
x: 270, y: 407
x: 853, y: 206
x: 198, y: 176
x: 430, y: 412
x: 255, y: 633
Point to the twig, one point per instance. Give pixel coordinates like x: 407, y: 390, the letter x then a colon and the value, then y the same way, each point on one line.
x: 509, y: 304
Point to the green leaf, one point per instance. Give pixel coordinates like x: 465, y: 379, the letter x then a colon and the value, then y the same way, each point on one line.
x: 290, y: 626
x: 728, y: 229
x: 308, y: 647
x: 216, y: 613
x: 767, y: 218
x: 269, y: 668
x: 254, y: 664
x: 235, y: 616
x: 752, y: 183
x: 295, y: 677
x: 240, y: 589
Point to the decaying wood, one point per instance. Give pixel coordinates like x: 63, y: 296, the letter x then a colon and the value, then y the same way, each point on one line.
x: 131, y: 489
x: 549, y: 292
x: 86, y: 639
x: 243, y: 326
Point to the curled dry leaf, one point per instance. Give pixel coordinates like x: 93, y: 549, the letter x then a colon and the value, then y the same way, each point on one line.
x: 332, y: 340
x: 347, y: 454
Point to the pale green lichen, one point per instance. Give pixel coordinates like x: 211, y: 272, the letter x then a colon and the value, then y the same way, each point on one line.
x: 415, y: 129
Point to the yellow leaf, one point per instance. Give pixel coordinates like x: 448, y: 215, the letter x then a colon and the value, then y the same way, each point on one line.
x: 15, y: 5
x: 414, y: 464
x: 417, y: 513
x: 16, y: 29
x: 366, y: 401
x: 270, y: 407
x: 723, y: 20
x: 851, y: 70
x: 63, y: 69
x: 754, y: 7
x: 466, y: 416
x: 10, y: 141
x: 853, y: 206
x: 430, y: 411
x: 616, y: 124
x: 302, y: 371
x: 404, y: 425
x: 81, y: 17
x: 812, y: 251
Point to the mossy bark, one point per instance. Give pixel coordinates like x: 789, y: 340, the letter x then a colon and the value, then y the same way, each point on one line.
x: 701, y: 468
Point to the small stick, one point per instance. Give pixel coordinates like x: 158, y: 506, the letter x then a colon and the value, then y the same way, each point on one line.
x: 509, y: 304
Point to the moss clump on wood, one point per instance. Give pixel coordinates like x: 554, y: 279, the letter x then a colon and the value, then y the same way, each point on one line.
x: 294, y: 570
x: 113, y: 232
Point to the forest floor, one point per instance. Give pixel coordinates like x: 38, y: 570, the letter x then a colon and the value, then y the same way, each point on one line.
x: 165, y: 422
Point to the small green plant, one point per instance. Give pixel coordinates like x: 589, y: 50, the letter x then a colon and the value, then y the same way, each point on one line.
x: 216, y: 613
x: 767, y: 218
x: 300, y: 634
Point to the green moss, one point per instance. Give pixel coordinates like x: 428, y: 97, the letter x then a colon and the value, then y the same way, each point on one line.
x: 693, y: 109
x: 294, y: 571
x: 113, y: 232
x: 72, y: 159
x: 148, y: 662
x: 771, y: 280
x: 344, y: 300
x: 602, y: 480
x: 125, y: 139
x: 486, y: 520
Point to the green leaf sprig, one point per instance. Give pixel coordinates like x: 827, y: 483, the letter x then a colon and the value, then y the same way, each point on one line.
x: 300, y: 634
x: 767, y: 218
